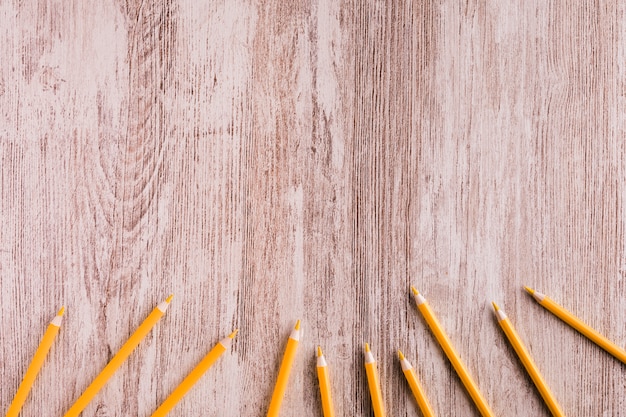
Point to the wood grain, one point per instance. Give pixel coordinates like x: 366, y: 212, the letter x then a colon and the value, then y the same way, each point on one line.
x: 274, y: 160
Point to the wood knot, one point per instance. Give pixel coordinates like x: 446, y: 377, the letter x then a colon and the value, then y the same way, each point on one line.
x: 102, y: 411
x: 50, y: 79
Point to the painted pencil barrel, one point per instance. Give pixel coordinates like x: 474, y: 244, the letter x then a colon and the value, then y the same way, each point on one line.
x: 418, y: 393
x: 530, y: 367
x: 33, y: 370
x: 283, y: 377
x: 584, y: 329
x: 327, y: 401
x: 455, y: 360
x: 117, y: 360
x: 181, y: 390
x: 374, y: 387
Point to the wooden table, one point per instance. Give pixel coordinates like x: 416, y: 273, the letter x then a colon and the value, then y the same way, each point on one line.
x: 270, y: 161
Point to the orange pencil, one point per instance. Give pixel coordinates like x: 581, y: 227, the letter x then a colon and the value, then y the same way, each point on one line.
x: 35, y: 364
x: 416, y: 387
x: 586, y: 330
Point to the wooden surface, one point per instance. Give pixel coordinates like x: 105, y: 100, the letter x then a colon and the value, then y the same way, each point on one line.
x: 269, y: 161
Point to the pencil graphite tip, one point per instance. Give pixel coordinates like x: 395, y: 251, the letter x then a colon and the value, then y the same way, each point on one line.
x: 233, y: 334
x: 400, y: 355
x: 414, y: 291
x: 61, y: 311
x: 297, y: 327
x: 319, y: 351
x: 495, y: 306
x: 169, y: 298
x: 367, y: 347
x: 529, y: 290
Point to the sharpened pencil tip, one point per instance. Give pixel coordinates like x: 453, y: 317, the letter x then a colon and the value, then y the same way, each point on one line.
x: 367, y: 347
x: 233, y: 334
x: 529, y: 290
x: 61, y: 311
x: 414, y: 291
x: 297, y: 325
x: 400, y: 355
x: 495, y: 306
x: 169, y: 298
x: 319, y: 351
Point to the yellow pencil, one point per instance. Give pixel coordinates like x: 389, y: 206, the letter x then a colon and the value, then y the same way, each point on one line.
x: 578, y: 324
x: 119, y: 358
x: 416, y: 387
x: 528, y: 362
x: 324, y: 380
x: 374, y: 383
x: 283, y: 373
x: 193, y: 377
x: 35, y: 364
x: 454, y: 358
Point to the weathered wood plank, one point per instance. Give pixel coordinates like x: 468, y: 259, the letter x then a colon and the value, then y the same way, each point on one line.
x: 270, y: 161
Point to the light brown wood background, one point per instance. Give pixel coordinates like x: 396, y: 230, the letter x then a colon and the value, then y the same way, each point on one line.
x: 269, y: 161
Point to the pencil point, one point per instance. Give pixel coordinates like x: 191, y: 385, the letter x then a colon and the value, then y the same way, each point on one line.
x: 233, y: 334
x: 319, y: 351
x: 58, y: 319
x: 495, y: 306
x: 414, y: 291
x: 367, y: 347
x: 529, y: 290
x: 400, y: 355
x: 163, y: 305
x: 297, y: 325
